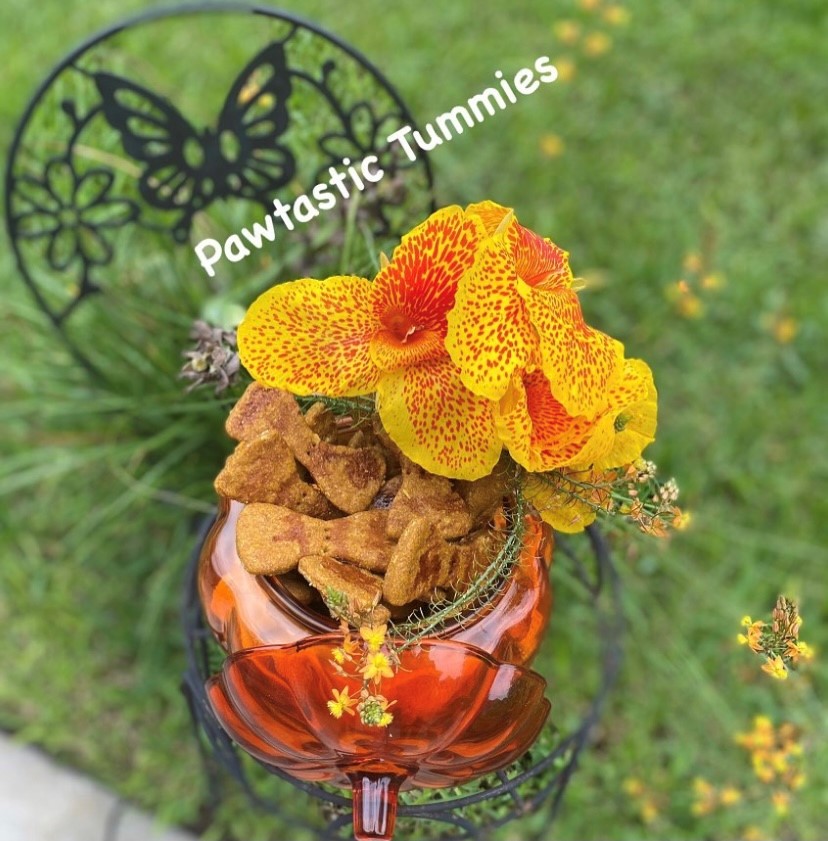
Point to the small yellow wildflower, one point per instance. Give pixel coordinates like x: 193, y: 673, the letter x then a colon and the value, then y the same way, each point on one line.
x: 551, y: 145
x: 705, y: 797
x: 566, y: 69
x: 753, y: 833
x: 374, y: 636
x: 633, y: 787
x: 589, y: 5
x: 712, y: 281
x: 649, y: 811
x: 775, y: 667
x: 385, y: 719
x: 692, y: 262
x: 781, y: 802
x: 691, y: 306
x: 616, y: 15
x: 597, y: 43
x: 682, y: 519
x: 785, y: 329
x: 567, y: 32
x: 377, y: 667
x: 338, y: 655
x: 753, y: 638
x: 730, y: 796
x: 797, y: 781
x: 342, y: 703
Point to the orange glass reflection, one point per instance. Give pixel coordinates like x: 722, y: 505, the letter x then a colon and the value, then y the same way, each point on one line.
x: 458, y: 714
x: 245, y: 610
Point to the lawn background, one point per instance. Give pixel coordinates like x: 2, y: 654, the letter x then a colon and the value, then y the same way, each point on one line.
x: 701, y: 130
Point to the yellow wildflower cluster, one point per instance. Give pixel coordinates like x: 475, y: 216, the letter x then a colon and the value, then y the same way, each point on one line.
x: 594, y: 42
x: 571, y: 499
x: 776, y: 757
x: 707, y: 798
x: 688, y: 292
x: 368, y: 658
x: 643, y: 799
x: 778, y: 640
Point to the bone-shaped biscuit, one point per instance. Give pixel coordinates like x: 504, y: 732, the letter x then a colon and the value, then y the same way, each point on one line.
x: 349, y: 478
x: 361, y: 589
x: 420, y: 562
x: 271, y: 539
x: 263, y: 470
x: 423, y: 494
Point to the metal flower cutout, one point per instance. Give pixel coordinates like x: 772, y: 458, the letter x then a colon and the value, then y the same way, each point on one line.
x: 71, y: 212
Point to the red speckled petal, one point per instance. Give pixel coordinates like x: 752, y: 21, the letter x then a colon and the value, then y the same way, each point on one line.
x: 437, y: 422
x: 312, y: 337
x: 489, y: 333
x: 628, y: 423
x: 536, y: 428
x: 540, y: 262
x: 416, y: 289
x: 489, y: 213
x: 579, y: 362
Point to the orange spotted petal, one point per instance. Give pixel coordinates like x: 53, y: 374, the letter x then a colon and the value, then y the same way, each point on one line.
x: 627, y: 424
x: 540, y: 263
x: 580, y: 363
x: 415, y: 291
x: 437, y: 422
x: 489, y: 213
x: 389, y: 352
x: 489, y: 334
x: 564, y: 512
x: 312, y: 337
x: 536, y: 428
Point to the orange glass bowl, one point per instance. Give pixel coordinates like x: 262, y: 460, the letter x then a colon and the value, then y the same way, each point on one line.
x: 245, y: 611
x: 458, y: 714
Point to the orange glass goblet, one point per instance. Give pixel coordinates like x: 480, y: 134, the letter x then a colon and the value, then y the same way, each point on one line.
x: 458, y: 714
x: 245, y: 610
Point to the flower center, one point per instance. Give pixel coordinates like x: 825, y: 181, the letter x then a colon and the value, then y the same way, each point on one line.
x: 400, y: 326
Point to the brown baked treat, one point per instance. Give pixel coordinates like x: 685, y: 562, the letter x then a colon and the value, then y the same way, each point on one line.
x: 263, y: 470
x: 472, y: 555
x: 420, y: 562
x: 386, y: 493
x: 253, y: 414
x: 321, y: 421
x: 393, y: 454
x: 361, y: 589
x: 423, y: 494
x: 349, y: 478
x: 298, y: 588
x: 271, y: 539
x: 484, y: 496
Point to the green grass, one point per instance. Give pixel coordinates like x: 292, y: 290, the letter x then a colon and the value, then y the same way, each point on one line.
x: 699, y: 131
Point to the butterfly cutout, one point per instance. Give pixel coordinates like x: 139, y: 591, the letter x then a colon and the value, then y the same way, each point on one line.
x: 186, y: 169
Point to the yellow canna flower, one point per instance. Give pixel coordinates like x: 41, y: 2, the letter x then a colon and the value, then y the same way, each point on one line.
x: 516, y: 310
x: 348, y: 336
